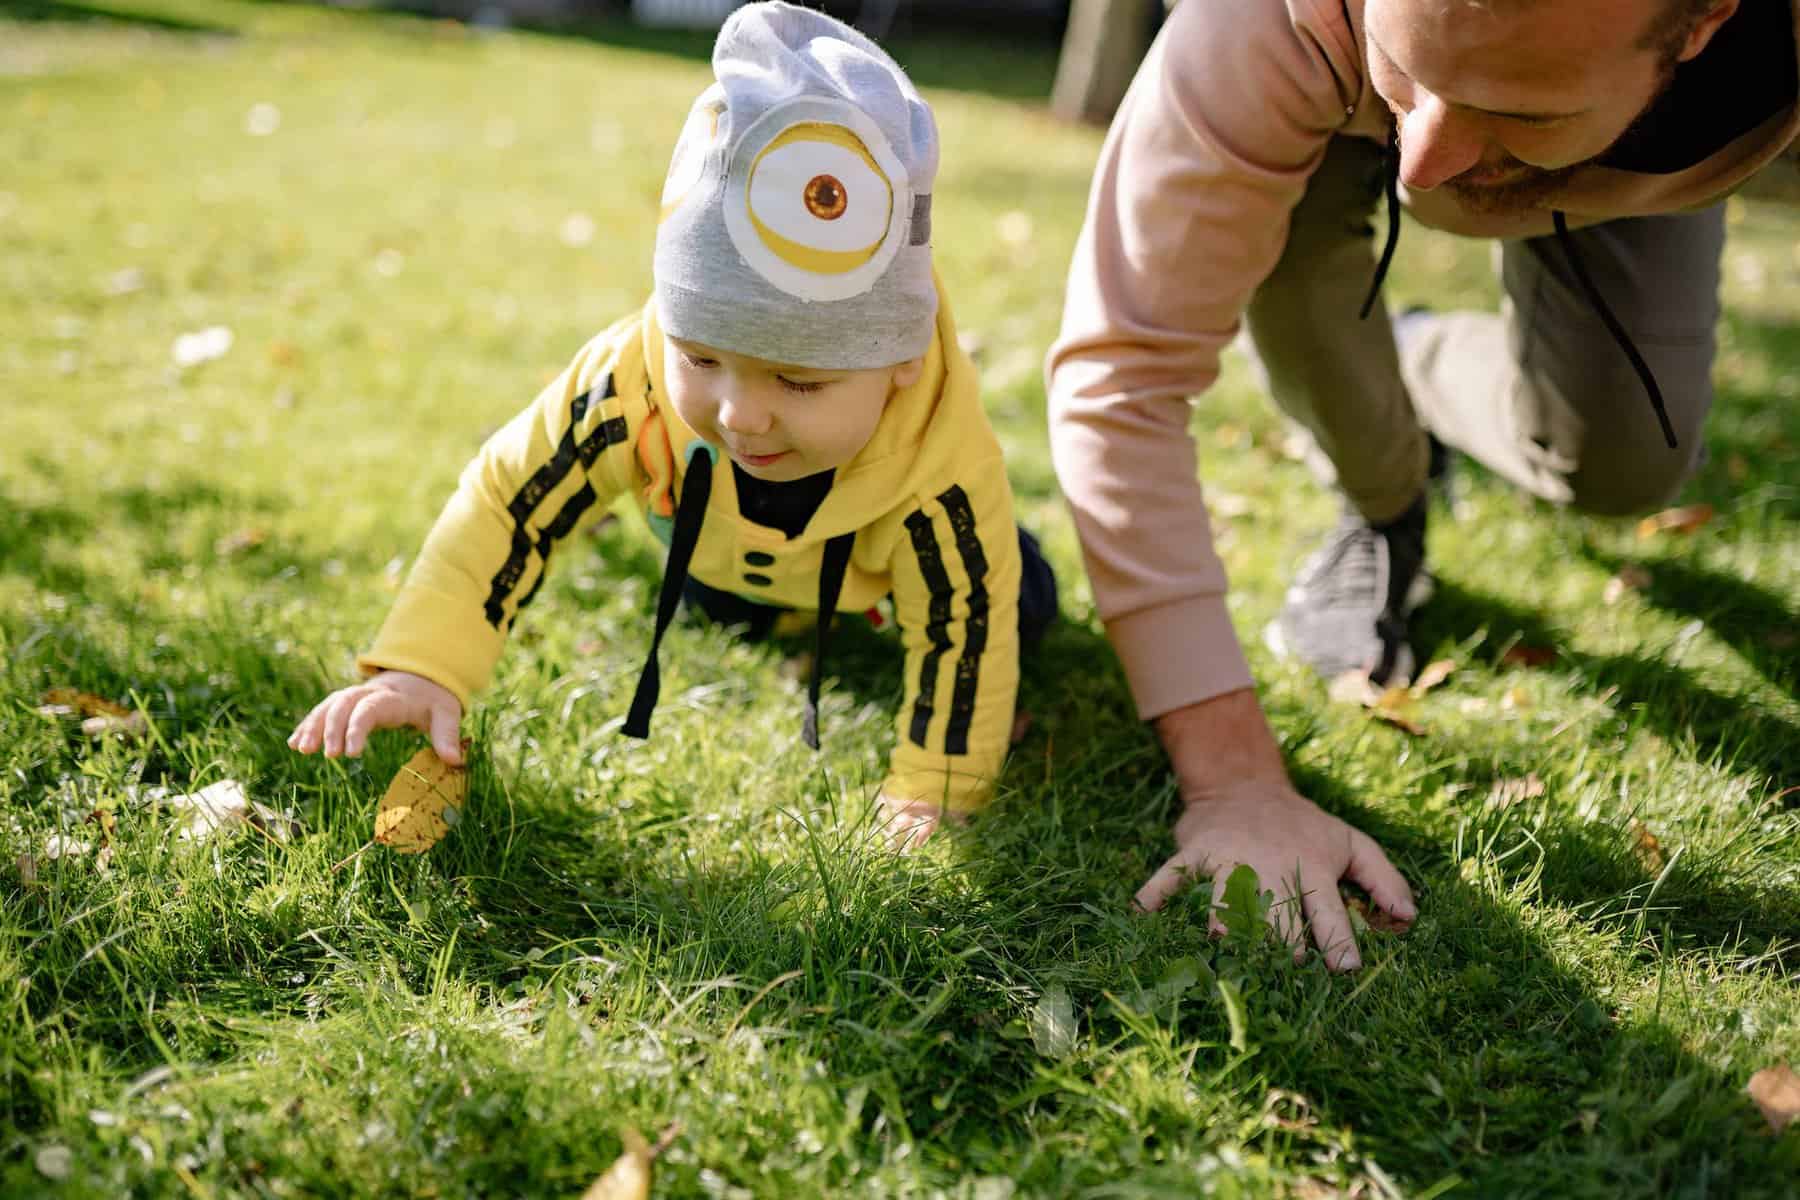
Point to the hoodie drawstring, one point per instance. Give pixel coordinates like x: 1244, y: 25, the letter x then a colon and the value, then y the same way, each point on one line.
x: 1391, y: 184
x: 831, y: 583
x: 1613, y: 327
x: 689, y: 513
x: 1390, y: 175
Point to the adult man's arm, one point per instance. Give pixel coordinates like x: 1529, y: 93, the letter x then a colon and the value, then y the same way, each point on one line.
x: 1228, y: 117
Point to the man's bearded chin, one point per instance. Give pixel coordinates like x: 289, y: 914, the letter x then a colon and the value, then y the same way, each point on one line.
x: 1529, y: 191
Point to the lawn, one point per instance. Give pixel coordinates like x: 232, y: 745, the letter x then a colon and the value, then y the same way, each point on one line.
x: 406, y: 227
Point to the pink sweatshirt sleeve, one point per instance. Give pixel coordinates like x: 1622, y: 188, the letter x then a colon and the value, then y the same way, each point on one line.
x: 1227, y: 118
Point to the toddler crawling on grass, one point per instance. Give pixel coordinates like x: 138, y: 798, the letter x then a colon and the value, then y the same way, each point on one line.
x: 792, y: 413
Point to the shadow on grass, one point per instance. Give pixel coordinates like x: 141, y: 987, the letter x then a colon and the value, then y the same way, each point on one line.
x: 1474, y: 1048
x: 1762, y: 627
x: 67, y: 13
x: 1641, y: 688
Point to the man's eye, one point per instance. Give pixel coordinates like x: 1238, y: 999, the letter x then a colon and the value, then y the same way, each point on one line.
x: 799, y: 385
x: 694, y: 360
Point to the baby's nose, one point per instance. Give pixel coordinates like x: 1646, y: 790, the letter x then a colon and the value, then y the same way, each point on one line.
x: 741, y: 412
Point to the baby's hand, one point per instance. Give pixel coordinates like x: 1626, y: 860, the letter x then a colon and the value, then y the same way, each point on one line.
x: 907, y: 824
x: 342, y: 722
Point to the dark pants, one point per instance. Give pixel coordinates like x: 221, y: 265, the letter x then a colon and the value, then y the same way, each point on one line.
x: 1538, y: 392
x: 1037, y: 601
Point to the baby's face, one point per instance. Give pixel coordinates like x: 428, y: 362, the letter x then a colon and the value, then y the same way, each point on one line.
x: 778, y: 422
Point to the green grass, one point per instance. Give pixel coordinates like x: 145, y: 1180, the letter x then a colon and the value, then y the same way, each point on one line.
x: 701, y: 929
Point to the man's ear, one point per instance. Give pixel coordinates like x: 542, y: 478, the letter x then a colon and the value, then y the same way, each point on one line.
x: 1705, y: 27
x: 908, y: 372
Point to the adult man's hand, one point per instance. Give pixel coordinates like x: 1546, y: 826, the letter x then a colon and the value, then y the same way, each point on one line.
x: 1239, y: 807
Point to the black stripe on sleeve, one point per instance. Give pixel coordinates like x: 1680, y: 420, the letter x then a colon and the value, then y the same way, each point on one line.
x: 937, y: 582
x: 968, y: 664
x: 543, y: 481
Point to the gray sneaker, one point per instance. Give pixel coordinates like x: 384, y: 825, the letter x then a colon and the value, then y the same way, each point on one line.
x: 1348, y: 607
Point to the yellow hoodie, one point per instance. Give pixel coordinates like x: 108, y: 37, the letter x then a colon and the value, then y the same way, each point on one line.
x: 927, y: 500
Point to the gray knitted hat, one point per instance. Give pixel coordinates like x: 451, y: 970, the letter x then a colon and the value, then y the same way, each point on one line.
x: 796, y: 217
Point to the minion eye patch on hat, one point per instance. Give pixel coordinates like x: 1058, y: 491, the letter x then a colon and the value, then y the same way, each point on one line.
x: 816, y: 213
x: 796, y: 212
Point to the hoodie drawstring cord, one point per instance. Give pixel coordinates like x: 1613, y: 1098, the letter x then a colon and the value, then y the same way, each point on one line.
x: 1391, y: 184
x: 689, y: 513
x: 1390, y: 174
x: 1613, y: 326
x: 831, y: 582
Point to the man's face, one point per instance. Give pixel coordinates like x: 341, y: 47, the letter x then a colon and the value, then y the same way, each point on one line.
x: 1499, y: 104
x: 777, y: 421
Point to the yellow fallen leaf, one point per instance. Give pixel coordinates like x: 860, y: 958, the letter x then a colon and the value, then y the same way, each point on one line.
x: 1396, y: 706
x: 422, y: 803
x: 1433, y: 674
x: 1776, y: 1091
x: 629, y: 1177
x: 1685, y: 519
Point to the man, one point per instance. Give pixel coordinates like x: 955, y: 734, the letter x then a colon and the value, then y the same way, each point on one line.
x: 1238, y: 182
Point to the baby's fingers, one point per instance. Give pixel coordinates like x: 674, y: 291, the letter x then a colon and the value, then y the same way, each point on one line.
x: 309, y: 734
x: 379, y: 709
x: 444, y: 733
x: 338, y: 710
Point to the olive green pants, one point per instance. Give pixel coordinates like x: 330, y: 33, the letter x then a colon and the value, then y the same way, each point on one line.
x: 1539, y: 393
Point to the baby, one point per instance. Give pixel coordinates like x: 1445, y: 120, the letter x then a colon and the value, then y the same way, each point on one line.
x: 793, y: 415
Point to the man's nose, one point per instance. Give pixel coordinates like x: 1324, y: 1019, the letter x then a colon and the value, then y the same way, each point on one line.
x: 1435, y: 145
x: 741, y: 411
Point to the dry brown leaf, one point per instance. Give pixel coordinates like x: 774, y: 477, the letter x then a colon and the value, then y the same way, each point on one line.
x: 422, y: 804
x: 1646, y: 848
x: 1378, y: 919
x: 1630, y: 578
x: 1508, y: 792
x: 27, y: 869
x: 1776, y: 1091
x: 1433, y: 674
x: 240, y: 541
x: 1528, y: 656
x: 1738, y: 468
x: 1686, y: 519
x: 629, y: 1176
x: 221, y: 808
x: 70, y: 701
x: 1394, y: 705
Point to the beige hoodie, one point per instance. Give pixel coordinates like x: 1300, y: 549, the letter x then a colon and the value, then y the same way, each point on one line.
x: 1212, y: 148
